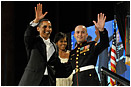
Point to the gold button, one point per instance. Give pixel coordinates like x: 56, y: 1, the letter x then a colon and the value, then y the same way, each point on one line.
x: 77, y: 54
x: 77, y: 51
x: 77, y: 70
x: 89, y: 74
x: 70, y: 58
x: 76, y: 66
x: 84, y: 53
x: 76, y: 62
x: 76, y: 58
x: 78, y: 47
x: 87, y: 49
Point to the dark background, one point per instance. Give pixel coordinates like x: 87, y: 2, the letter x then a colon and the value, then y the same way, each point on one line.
x: 64, y: 16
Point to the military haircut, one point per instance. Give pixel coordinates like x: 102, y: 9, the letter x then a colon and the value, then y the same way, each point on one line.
x: 81, y: 25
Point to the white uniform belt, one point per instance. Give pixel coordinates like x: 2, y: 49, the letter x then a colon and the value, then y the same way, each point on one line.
x: 84, y: 68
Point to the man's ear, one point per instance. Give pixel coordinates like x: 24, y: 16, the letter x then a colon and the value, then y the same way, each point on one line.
x: 38, y: 29
x: 57, y: 43
x: 74, y: 35
x: 87, y: 35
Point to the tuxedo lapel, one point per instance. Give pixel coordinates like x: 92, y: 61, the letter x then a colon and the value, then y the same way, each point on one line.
x: 42, y: 48
x: 54, y: 53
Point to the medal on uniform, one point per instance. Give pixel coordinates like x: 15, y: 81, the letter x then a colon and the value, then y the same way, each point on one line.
x: 82, y: 48
x: 86, y: 47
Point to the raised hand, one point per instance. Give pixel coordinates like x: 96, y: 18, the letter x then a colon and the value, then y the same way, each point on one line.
x: 100, y: 22
x: 38, y: 13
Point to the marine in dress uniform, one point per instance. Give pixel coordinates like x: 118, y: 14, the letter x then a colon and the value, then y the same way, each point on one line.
x: 84, y: 57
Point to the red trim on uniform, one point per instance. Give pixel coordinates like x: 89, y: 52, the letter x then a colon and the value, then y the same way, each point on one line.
x: 77, y: 78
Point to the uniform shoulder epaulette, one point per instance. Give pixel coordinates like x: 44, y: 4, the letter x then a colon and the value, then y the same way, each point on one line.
x: 94, y: 42
x: 91, y: 42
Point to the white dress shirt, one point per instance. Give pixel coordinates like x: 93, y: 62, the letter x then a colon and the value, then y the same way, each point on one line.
x: 49, y: 51
x: 33, y: 24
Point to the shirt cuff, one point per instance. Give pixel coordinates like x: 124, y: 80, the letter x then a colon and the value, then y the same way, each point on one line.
x: 33, y: 24
x: 103, y: 32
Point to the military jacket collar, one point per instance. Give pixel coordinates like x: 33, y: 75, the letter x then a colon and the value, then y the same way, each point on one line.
x: 82, y: 44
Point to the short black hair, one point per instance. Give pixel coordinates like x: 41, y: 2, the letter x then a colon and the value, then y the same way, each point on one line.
x: 59, y: 36
x: 40, y: 21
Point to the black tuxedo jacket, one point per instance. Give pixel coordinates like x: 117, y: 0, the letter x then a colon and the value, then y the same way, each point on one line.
x: 37, y: 61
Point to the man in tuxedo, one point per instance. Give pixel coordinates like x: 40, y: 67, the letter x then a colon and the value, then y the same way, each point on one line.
x: 43, y: 63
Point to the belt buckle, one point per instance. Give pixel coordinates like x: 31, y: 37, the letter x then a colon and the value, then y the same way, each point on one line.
x: 77, y: 70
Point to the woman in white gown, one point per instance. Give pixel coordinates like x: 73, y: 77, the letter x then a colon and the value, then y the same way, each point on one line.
x: 61, y: 42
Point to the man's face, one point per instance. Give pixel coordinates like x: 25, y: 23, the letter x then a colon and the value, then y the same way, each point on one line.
x: 80, y: 33
x: 45, y: 29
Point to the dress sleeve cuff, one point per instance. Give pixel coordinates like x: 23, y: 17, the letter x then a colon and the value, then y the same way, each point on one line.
x: 33, y: 24
x: 103, y: 32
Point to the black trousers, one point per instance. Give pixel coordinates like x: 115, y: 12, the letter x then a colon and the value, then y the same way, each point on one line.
x: 44, y: 81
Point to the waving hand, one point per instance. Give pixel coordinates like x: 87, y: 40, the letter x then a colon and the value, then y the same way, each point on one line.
x: 38, y: 13
x: 100, y: 22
